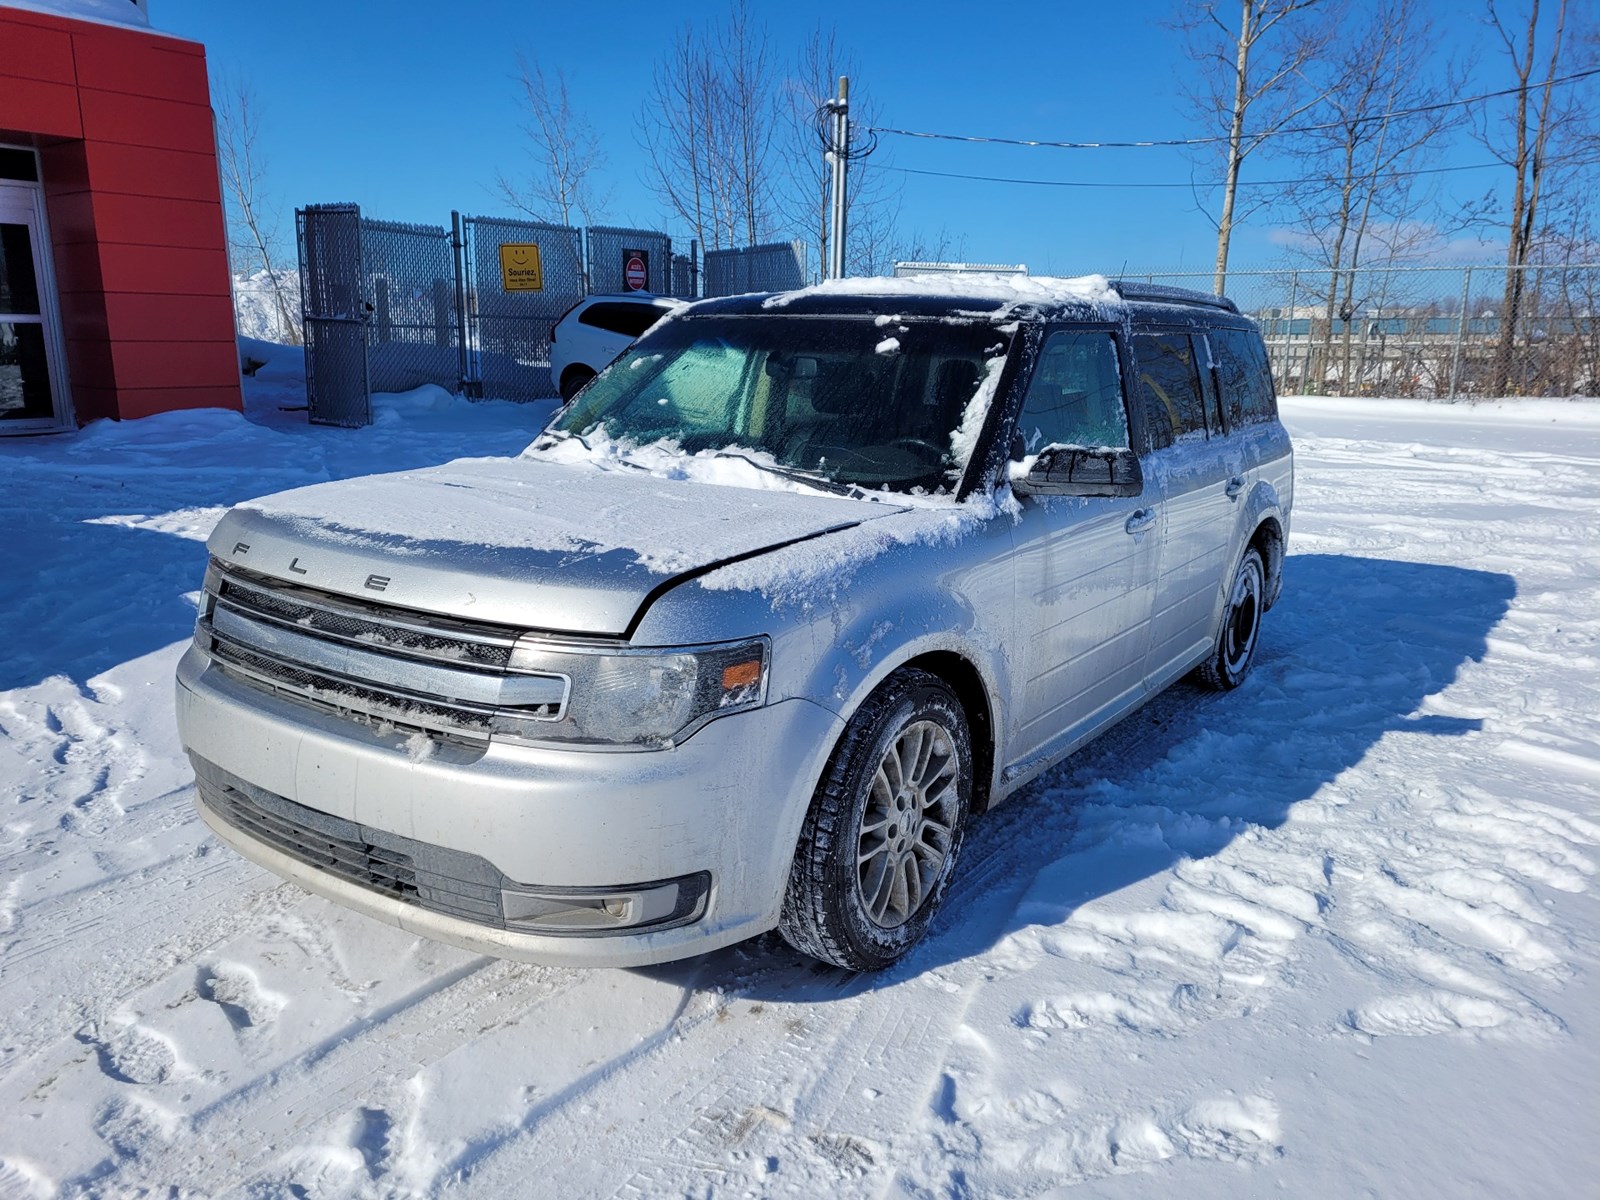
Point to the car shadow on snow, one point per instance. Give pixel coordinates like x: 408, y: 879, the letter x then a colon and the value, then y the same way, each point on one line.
x: 1349, y: 655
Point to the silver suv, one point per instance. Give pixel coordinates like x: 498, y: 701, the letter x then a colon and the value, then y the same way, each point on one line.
x: 788, y: 594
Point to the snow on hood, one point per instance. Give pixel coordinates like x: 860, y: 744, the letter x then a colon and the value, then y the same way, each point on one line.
x: 525, y: 541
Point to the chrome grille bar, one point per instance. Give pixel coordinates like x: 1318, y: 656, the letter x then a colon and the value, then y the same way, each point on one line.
x: 378, y: 627
x: 380, y: 665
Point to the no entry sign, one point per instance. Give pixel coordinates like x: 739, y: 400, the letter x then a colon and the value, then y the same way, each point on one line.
x: 636, y: 270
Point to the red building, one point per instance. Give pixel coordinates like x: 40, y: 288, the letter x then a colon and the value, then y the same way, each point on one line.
x: 115, y: 291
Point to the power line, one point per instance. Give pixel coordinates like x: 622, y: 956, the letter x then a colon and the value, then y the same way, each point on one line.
x: 1212, y: 140
x: 1072, y: 183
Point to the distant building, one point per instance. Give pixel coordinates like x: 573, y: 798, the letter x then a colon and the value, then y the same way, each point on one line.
x: 114, y: 283
x: 902, y: 269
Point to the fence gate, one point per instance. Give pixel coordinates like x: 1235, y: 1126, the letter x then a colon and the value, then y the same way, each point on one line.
x: 408, y: 291
x: 510, y: 307
x: 332, y: 308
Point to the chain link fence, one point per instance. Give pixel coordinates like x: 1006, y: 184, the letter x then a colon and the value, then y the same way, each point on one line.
x: 408, y: 285
x: 774, y: 267
x: 390, y: 306
x: 628, y: 260
x: 1429, y: 332
x: 686, y: 273
x: 507, y: 320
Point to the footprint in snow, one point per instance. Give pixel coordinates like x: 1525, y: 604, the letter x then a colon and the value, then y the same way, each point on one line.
x: 131, y: 1053
x: 237, y: 991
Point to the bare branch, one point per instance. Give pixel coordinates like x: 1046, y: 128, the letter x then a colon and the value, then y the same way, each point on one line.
x: 566, y: 153
x: 252, y: 218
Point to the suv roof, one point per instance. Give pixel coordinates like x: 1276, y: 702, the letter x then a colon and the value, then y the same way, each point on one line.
x: 1086, y: 297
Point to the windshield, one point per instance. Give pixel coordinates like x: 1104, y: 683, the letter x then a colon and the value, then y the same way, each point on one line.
x: 849, y: 400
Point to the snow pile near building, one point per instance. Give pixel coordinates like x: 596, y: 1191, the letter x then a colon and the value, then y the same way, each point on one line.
x: 258, y: 312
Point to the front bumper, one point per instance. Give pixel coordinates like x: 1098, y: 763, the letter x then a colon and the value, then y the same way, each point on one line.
x: 728, y: 801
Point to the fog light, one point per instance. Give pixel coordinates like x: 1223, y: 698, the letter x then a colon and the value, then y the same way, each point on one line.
x: 606, y: 910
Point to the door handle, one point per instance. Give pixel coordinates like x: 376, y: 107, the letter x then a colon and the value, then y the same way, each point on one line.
x: 1235, y: 486
x: 1140, y: 520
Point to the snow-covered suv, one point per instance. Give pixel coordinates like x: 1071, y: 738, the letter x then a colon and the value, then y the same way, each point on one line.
x: 596, y: 329
x: 780, y: 600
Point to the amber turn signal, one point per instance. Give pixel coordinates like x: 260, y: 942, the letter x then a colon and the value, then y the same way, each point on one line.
x: 741, y: 675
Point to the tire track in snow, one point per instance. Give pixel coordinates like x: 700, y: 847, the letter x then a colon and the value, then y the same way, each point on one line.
x: 242, y: 1133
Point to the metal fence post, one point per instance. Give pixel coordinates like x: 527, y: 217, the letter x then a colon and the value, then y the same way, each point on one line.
x: 1288, y: 342
x: 1461, y: 331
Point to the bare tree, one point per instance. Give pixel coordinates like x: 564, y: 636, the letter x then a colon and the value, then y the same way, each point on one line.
x: 1252, y: 83
x: 252, y: 217
x: 1358, y: 201
x: 566, y: 153
x: 709, y: 131
x: 1529, y: 140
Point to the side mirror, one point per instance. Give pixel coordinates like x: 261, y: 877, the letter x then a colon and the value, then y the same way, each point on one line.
x: 1082, y: 471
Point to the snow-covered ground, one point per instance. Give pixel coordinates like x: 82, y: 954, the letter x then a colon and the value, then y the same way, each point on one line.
x: 1333, y: 934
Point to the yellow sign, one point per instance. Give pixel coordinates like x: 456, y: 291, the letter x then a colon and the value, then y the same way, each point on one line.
x: 519, y: 267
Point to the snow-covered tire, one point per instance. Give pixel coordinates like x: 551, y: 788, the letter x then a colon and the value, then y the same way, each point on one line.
x: 880, y: 840
x: 572, y: 381
x: 1240, y: 628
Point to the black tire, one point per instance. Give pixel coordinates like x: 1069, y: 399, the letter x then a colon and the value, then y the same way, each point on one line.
x: 1239, y: 631
x: 572, y: 381
x: 864, y: 915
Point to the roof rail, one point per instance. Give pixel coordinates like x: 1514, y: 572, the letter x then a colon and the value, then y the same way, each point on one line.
x: 1133, y: 290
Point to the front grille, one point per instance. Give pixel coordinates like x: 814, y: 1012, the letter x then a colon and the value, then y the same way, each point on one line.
x: 387, y: 667
x: 440, y: 880
x: 347, y: 698
x: 377, y: 626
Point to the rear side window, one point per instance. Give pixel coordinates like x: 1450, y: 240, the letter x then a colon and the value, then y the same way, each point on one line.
x: 1169, y: 386
x: 1244, y: 376
x: 1075, y: 396
x: 630, y: 320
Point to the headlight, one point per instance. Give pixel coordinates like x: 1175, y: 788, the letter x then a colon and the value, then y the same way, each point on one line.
x: 644, y: 698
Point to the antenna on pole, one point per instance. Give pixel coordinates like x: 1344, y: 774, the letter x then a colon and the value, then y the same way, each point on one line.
x: 838, y: 157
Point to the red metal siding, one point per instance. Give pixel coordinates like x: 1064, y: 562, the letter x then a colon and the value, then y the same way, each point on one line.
x: 142, y: 171
x: 123, y: 122
x: 33, y: 106
x: 35, y: 53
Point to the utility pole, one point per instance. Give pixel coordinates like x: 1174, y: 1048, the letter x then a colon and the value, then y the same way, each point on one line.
x: 838, y: 157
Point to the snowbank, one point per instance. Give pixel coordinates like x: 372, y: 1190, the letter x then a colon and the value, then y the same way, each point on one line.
x: 257, y: 313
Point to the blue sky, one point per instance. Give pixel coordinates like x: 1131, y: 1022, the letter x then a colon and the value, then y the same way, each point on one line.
x: 409, y: 108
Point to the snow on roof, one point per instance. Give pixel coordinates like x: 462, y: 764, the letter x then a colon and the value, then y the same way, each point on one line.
x: 107, y: 12
x: 1003, y: 289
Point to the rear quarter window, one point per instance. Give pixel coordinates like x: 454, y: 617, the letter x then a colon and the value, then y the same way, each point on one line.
x: 630, y: 320
x: 1243, y: 376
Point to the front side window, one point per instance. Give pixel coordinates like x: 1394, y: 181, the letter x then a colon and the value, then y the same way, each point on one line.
x: 1075, y: 395
x: 1169, y: 386
x: 840, y: 398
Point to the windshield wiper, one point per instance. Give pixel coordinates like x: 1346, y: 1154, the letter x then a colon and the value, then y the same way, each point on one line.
x: 811, y: 479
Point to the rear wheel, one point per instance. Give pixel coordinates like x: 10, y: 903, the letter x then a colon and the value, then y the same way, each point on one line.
x: 1241, y: 626
x: 572, y: 381
x: 885, y: 826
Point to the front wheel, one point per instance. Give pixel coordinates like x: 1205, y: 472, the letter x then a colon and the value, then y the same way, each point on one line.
x: 884, y: 829
x: 1241, y: 626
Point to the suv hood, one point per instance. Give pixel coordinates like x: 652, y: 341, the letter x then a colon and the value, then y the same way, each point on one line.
x: 524, y: 542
